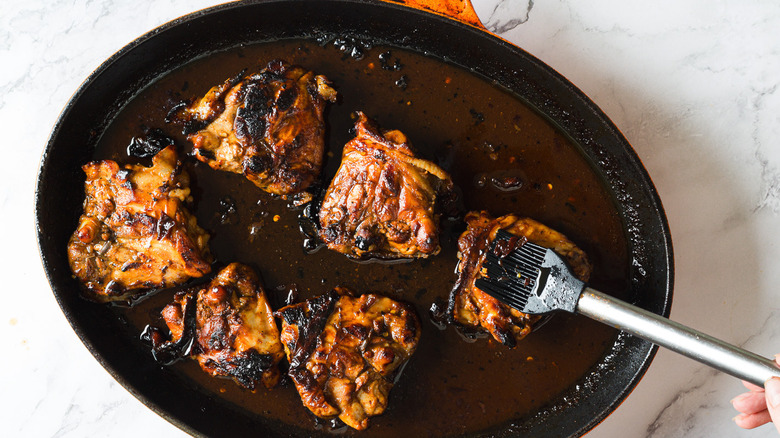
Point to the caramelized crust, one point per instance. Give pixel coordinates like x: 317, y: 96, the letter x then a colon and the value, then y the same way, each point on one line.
x: 381, y: 201
x: 232, y: 332
x: 473, y: 308
x: 344, y: 350
x: 267, y: 125
x: 135, y: 232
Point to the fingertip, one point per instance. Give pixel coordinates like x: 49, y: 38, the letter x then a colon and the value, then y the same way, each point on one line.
x: 739, y: 420
x: 739, y: 398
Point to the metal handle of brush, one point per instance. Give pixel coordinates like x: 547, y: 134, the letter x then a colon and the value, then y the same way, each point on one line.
x: 677, y: 337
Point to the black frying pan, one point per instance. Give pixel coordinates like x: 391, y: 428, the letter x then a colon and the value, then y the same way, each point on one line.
x: 60, y: 182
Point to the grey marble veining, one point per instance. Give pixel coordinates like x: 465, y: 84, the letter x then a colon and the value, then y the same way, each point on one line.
x: 500, y: 17
x: 692, y: 85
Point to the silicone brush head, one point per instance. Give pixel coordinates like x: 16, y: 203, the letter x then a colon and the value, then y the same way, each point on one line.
x: 528, y: 277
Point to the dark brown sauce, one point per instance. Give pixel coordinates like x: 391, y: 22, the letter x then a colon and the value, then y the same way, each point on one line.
x: 504, y: 157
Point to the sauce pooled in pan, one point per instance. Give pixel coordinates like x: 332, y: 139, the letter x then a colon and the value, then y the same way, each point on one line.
x: 502, y: 155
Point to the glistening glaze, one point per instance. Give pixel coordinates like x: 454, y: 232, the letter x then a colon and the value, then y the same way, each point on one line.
x: 501, y: 154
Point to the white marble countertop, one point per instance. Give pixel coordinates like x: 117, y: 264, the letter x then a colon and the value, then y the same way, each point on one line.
x: 692, y: 85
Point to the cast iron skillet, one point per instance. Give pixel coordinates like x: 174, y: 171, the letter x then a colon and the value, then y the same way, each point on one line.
x: 73, y: 139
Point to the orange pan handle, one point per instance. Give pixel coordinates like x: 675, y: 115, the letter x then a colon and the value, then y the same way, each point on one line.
x: 460, y: 10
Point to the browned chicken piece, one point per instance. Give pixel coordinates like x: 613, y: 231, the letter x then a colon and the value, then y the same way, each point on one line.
x: 135, y: 232
x: 345, y: 350
x: 381, y: 202
x: 267, y: 125
x: 471, y: 307
x: 228, y: 327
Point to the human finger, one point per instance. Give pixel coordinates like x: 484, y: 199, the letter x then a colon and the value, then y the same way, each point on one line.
x: 749, y: 402
x: 750, y: 421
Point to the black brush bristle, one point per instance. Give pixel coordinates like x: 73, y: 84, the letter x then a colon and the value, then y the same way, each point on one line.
x: 511, y: 278
x: 515, y: 297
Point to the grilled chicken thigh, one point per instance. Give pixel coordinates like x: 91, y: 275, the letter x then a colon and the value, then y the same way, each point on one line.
x: 228, y: 327
x: 381, y: 201
x: 135, y: 232
x: 473, y: 308
x: 268, y: 126
x: 344, y: 350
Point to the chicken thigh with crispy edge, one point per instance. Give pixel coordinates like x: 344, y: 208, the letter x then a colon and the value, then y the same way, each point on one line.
x: 227, y: 326
x: 268, y: 126
x: 344, y: 352
x: 381, y: 203
x: 471, y: 307
x: 135, y: 232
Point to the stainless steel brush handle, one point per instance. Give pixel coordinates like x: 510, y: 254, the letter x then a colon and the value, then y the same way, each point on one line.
x: 677, y: 337
x: 536, y: 280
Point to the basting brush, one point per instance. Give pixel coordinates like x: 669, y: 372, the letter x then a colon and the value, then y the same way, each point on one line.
x: 536, y: 280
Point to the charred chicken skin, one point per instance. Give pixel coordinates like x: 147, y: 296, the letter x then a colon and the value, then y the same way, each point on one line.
x: 344, y: 350
x: 228, y: 327
x: 135, y: 232
x: 471, y: 307
x: 268, y: 126
x: 381, y: 202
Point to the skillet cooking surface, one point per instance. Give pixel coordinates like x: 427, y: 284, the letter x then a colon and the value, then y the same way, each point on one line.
x: 599, y: 196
